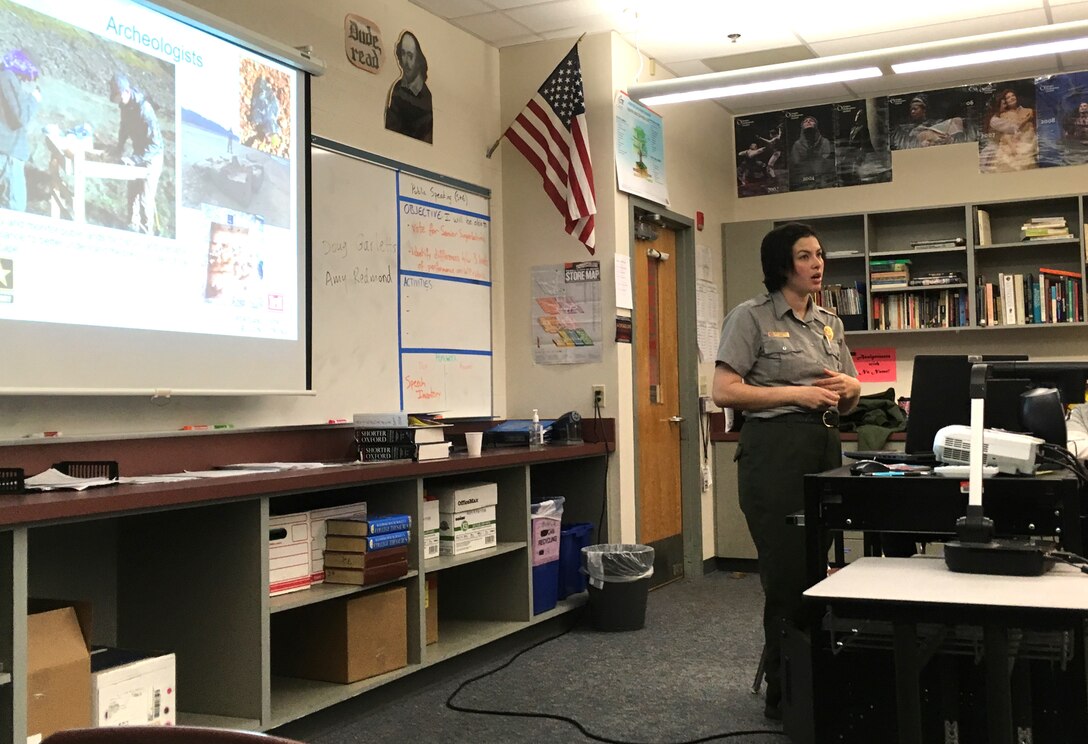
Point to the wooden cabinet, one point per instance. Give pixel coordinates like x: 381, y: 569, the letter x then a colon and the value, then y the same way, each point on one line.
x: 184, y: 567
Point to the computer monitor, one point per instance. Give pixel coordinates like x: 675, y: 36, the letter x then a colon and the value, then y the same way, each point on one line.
x: 1015, y: 402
x: 940, y: 395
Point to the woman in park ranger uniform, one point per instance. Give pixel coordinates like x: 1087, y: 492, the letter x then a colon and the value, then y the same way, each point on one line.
x: 783, y: 360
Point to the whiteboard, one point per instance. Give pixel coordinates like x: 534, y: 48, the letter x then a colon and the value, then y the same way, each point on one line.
x: 401, y: 287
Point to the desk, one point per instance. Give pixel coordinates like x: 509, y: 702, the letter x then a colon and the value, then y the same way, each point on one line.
x: 924, y: 612
x: 1048, y: 506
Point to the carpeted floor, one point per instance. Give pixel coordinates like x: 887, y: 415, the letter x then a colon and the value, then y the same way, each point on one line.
x: 685, y: 677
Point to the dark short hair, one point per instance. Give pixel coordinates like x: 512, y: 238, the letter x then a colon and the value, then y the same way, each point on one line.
x: 119, y: 84
x: 776, y: 252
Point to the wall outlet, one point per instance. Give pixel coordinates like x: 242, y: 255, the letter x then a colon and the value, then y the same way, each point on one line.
x: 598, y: 396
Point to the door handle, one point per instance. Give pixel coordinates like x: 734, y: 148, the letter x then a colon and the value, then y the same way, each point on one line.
x: 675, y: 419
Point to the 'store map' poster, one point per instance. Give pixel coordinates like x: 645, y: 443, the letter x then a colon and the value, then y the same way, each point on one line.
x: 566, y: 313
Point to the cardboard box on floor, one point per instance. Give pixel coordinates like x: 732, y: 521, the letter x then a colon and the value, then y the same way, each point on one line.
x: 345, y: 639
x: 132, y: 688
x: 58, y: 666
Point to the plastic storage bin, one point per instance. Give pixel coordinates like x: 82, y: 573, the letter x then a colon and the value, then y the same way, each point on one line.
x: 546, y: 523
x: 619, y: 583
x: 572, y: 538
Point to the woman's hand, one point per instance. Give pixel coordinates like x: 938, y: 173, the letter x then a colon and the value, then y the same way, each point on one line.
x: 816, y: 396
x: 846, y: 388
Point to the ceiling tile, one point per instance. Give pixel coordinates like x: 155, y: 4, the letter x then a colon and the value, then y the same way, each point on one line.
x: 1065, y: 12
x: 563, y: 14
x: 759, y: 59
x: 922, y: 34
x: 453, y: 8
x: 492, y: 27
x: 688, y: 68
x: 507, y: 4
x: 860, y: 18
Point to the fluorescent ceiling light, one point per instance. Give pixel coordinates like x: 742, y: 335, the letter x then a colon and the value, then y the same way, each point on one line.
x: 802, y: 81
x: 994, y: 55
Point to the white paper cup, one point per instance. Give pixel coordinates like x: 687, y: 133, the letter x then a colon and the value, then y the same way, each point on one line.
x: 475, y: 442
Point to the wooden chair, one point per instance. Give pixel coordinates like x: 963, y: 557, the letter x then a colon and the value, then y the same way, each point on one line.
x: 162, y: 735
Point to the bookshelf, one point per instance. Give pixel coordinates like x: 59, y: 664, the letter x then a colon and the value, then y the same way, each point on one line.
x: 951, y: 254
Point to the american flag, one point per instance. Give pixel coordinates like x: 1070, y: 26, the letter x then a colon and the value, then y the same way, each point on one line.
x: 551, y: 133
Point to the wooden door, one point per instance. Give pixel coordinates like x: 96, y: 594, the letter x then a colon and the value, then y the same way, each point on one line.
x: 657, y: 404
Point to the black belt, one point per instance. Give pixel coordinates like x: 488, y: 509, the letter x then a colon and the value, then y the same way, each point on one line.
x: 828, y: 418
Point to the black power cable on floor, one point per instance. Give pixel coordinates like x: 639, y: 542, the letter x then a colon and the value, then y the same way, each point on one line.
x: 565, y: 719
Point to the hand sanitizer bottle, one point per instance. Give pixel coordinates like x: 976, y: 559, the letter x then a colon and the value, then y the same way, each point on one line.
x: 536, y: 432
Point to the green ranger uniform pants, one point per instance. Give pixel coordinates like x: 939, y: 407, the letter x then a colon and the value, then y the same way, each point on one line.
x: 772, y: 459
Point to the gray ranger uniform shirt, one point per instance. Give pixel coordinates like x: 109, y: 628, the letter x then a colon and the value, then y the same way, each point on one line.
x: 764, y: 342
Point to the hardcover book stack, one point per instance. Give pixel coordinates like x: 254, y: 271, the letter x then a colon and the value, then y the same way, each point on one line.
x: 382, y: 437
x: 364, y: 550
x: 890, y: 274
x: 1045, y: 228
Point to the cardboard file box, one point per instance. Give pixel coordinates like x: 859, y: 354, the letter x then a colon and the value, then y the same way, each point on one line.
x: 465, y: 496
x: 345, y: 639
x: 58, y: 669
x: 288, y: 553
x: 132, y: 688
x: 430, y: 529
x: 465, y: 531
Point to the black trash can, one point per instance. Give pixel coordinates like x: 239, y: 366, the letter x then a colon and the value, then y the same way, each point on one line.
x: 619, y: 583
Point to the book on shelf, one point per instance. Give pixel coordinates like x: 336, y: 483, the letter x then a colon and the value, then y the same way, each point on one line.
x: 351, y: 524
x: 1008, y: 293
x: 360, y: 560
x: 889, y: 264
x: 391, y: 452
x: 388, y: 540
x: 401, y: 434
x: 365, y: 544
x: 380, y: 525
x: 934, y: 281
x: 366, y: 576
x: 939, y: 243
x: 1044, y: 233
x: 395, y: 419
x: 982, y: 220
x: 363, y: 524
x: 1059, y: 272
x: 1045, y: 222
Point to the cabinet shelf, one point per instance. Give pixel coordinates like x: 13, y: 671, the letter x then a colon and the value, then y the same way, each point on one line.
x: 449, y: 561
x: 293, y: 698
x: 322, y: 592
x: 927, y: 288
x: 129, y: 551
x: 907, y: 252
x: 212, y: 721
x: 1028, y: 244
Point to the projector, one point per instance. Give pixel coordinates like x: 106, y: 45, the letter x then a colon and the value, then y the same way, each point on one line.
x: 1010, y: 453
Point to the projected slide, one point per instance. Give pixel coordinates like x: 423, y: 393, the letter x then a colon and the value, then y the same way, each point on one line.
x: 149, y: 175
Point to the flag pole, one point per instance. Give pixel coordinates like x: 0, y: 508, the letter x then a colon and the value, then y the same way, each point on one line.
x: 495, y: 146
